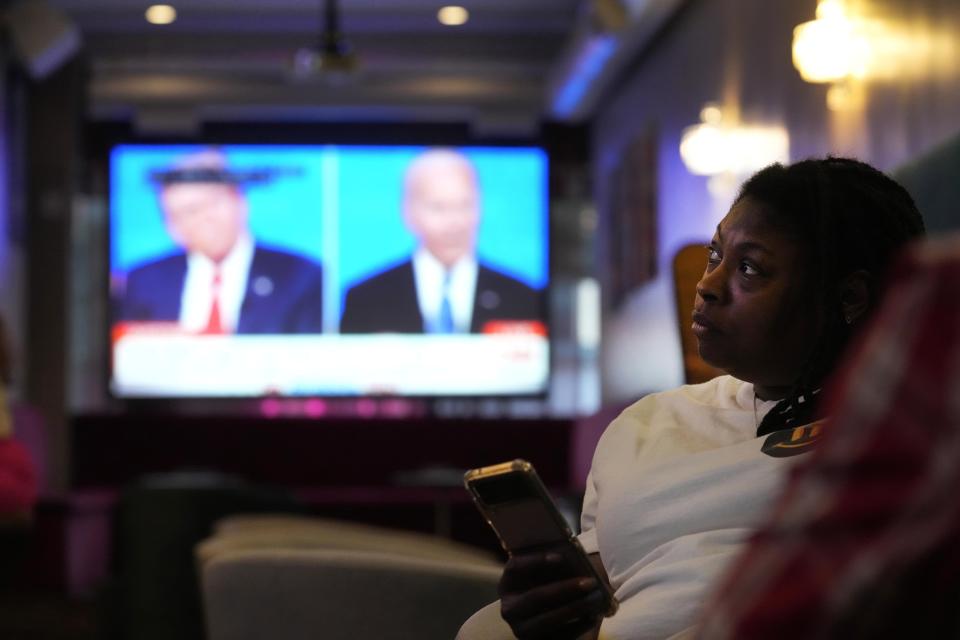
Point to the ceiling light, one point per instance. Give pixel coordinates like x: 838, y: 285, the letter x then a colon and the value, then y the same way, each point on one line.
x: 453, y: 16
x: 161, y: 14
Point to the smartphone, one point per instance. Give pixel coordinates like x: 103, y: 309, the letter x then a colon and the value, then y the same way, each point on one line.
x: 516, y: 504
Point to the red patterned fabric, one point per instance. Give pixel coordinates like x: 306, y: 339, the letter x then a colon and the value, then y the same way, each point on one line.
x: 865, y: 541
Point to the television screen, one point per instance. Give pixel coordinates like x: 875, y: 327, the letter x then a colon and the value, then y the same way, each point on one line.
x: 251, y: 270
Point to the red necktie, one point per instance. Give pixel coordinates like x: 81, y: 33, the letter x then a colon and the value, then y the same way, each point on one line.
x: 214, y: 324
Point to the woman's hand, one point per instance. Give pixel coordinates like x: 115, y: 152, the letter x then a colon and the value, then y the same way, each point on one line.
x: 540, y: 597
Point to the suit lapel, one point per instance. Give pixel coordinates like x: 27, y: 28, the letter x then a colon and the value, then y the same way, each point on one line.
x: 408, y: 314
x: 170, y: 298
x: 256, y: 305
x: 486, y: 300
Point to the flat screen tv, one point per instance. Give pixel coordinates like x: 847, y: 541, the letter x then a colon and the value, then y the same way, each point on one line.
x: 322, y: 270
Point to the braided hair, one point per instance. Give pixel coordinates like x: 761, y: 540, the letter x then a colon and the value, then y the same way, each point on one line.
x: 848, y: 216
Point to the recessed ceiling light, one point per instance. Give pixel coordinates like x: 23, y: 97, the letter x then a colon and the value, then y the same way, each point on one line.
x: 161, y: 14
x: 453, y: 16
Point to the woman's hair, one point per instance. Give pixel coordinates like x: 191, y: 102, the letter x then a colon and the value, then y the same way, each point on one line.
x: 847, y: 216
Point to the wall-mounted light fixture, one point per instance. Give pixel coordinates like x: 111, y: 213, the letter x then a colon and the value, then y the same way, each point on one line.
x: 833, y: 47
x: 161, y: 14
x: 718, y: 146
x: 453, y: 15
x: 851, y: 43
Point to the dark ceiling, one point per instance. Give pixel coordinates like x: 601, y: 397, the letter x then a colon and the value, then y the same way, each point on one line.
x: 231, y: 59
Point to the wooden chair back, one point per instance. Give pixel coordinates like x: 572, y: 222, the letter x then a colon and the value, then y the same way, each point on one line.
x: 688, y: 265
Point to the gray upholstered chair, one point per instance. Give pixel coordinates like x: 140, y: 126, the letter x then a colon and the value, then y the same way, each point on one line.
x: 300, y: 594
x: 291, y: 531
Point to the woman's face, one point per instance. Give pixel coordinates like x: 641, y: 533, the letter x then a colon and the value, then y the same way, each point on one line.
x: 754, y: 315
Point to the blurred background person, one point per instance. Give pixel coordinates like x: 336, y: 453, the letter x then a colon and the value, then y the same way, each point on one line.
x: 443, y: 287
x: 223, y: 281
x: 19, y: 480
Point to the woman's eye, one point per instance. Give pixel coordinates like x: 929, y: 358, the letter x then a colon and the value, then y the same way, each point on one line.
x: 713, y: 256
x: 748, y: 269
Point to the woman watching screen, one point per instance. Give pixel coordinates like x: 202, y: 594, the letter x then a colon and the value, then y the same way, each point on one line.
x: 681, y: 478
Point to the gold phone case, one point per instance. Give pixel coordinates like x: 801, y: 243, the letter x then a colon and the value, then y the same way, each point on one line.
x: 528, y: 519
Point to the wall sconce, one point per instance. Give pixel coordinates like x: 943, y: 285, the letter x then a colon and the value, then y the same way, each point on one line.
x: 715, y: 147
x: 832, y: 47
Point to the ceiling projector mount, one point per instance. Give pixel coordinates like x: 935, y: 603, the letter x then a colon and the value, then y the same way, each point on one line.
x: 332, y: 58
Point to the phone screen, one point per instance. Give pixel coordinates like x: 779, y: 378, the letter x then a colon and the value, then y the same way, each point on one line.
x: 520, y: 510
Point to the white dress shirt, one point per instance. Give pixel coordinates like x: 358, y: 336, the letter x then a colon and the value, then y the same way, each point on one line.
x: 197, y: 298
x: 430, y: 274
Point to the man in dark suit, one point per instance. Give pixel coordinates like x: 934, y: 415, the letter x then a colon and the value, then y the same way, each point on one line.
x: 442, y: 287
x: 223, y: 281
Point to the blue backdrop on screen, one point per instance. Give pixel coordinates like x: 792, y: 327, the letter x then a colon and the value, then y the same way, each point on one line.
x: 340, y: 205
x: 284, y: 212
x: 513, y: 228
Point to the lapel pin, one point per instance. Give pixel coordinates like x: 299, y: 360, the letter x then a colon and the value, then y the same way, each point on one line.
x: 263, y: 286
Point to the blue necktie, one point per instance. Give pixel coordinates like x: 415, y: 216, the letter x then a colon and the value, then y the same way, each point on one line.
x: 445, y: 317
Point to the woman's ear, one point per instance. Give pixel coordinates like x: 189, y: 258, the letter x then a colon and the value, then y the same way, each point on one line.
x: 855, y: 295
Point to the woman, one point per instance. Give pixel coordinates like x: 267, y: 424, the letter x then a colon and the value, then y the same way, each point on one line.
x: 862, y: 541
x: 680, y: 478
